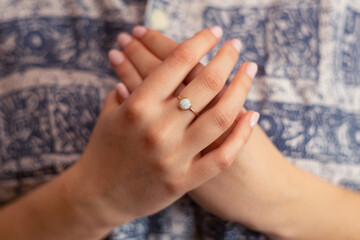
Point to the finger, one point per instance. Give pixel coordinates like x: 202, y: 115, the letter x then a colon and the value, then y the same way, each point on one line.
x: 168, y: 76
x: 144, y: 60
x: 222, y: 138
x: 122, y: 92
x: 211, y: 80
x: 124, y: 69
x: 214, y: 122
x: 130, y: 72
x: 111, y: 101
x: 222, y: 157
x: 161, y: 46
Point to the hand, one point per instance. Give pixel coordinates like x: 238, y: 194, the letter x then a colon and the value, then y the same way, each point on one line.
x: 142, y: 55
x: 261, y: 189
x: 237, y: 193
x: 145, y: 153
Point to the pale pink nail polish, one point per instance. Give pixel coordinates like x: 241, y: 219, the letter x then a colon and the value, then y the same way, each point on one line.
x: 217, y: 31
x: 254, y: 119
x: 237, y: 44
x: 139, y: 31
x: 124, y: 39
x: 116, y: 57
x: 122, y: 90
x: 251, y: 69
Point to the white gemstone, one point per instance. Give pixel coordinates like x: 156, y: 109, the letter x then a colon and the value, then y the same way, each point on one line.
x: 185, y: 104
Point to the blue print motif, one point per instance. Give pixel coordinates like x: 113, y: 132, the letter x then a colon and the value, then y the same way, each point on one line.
x: 69, y: 43
x: 349, y: 55
x: 284, y: 37
x: 241, y: 23
x: 26, y: 120
x: 211, y: 227
x: 25, y: 124
x: 36, y: 126
x: 75, y: 113
x: 293, y: 39
x: 174, y: 222
x: 299, y: 131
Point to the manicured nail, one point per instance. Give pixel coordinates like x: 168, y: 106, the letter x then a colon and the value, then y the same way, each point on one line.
x: 251, y: 69
x: 254, y: 119
x: 139, y: 31
x: 124, y: 39
x: 122, y: 90
x: 217, y: 31
x: 237, y: 44
x: 116, y: 57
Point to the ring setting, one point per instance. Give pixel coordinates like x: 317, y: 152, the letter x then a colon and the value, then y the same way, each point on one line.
x: 185, y: 104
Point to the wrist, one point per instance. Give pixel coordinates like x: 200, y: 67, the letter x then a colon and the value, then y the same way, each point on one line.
x: 84, y: 200
x: 90, y: 192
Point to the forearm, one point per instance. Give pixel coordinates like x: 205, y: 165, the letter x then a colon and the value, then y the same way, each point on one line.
x: 267, y: 193
x: 52, y: 211
x: 299, y: 205
x: 319, y: 211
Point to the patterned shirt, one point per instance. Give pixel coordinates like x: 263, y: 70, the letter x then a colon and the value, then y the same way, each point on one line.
x: 54, y: 76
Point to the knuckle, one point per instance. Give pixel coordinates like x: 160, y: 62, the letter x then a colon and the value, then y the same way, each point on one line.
x: 211, y: 81
x: 163, y: 166
x: 223, y: 120
x: 154, y: 138
x: 134, y: 111
x: 173, y: 187
x: 224, y: 160
x: 183, y: 55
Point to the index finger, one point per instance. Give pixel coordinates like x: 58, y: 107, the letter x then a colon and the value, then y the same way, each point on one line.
x: 161, y: 46
x: 170, y: 74
x: 157, y: 43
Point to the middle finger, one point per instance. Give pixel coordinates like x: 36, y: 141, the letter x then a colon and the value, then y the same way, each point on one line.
x: 165, y: 79
x: 201, y: 90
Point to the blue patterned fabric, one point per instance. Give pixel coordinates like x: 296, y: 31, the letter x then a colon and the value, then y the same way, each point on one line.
x: 307, y: 89
x: 54, y: 76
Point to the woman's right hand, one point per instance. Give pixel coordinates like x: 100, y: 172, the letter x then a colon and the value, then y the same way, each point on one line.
x: 145, y: 153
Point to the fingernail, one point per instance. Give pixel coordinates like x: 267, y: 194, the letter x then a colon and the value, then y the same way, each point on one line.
x: 124, y: 39
x: 217, y: 31
x: 254, y: 119
x: 122, y: 90
x: 139, y: 31
x: 251, y: 69
x: 237, y: 44
x: 116, y: 57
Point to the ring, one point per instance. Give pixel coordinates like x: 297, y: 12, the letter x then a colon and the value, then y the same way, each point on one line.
x: 185, y: 104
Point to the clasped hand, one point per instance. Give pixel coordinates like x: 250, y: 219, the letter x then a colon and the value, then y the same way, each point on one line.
x: 146, y: 152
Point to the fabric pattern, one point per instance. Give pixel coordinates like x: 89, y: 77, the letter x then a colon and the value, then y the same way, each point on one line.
x: 54, y: 76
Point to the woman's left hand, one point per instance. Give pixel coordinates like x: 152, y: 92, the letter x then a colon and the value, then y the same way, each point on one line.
x: 261, y: 190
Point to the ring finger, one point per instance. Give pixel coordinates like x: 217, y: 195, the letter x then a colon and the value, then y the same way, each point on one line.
x: 214, y: 122
x: 201, y: 90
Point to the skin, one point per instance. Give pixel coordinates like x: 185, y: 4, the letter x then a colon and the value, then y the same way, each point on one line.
x: 144, y: 152
x: 261, y: 190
